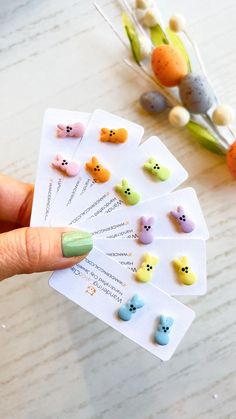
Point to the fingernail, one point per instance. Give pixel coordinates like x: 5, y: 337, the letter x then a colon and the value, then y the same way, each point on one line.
x: 76, y: 243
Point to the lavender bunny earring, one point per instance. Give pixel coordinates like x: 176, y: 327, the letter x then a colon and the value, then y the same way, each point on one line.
x: 187, y: 225
x: 146, y: 231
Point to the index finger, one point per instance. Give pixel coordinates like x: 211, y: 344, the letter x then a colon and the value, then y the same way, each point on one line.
x: 15, y: 200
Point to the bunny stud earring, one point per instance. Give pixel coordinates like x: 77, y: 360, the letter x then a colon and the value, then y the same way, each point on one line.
x: 113, y: 135
x: 145, y: 272
x: 146, y: 233
x: 156, y: 169
x: 129, y: 195
x: 127, y: 310
x: 70, y: 168
x: 97, y: 171
x: 186, y: 224
x: 74, y: 130
x: 185, y: 274
x: 162, y: 334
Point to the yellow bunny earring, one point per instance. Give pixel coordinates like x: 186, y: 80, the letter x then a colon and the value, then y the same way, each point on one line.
x: 185, y: 274
x: 145, y: 272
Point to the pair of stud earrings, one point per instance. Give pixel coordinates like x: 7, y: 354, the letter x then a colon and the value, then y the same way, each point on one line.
x: 146, y: 234
x: 126, y: 312
x: 71, y: 168
x: 186, y: 275
x: 77, y: 129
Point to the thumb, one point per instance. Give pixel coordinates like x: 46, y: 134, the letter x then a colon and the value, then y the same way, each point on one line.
x: 28, y: 250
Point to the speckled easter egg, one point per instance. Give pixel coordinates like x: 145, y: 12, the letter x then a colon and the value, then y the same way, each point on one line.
x: 168, y: 65
x: 153, y: 102
x: 196, y: 93
x: 231, y: 159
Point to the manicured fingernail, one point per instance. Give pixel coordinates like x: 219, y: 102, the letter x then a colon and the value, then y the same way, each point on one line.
x: 76, y: 243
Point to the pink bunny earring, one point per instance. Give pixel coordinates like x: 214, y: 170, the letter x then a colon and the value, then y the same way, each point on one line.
x: 186, y: 224
x: 70, y: 168
x: 73, y: 130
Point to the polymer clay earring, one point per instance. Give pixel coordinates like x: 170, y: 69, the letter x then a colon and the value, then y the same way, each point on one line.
x: 146, y: 230
x: 73, y: 130
x: 145, y: 272
x: 97, y: 171
x: 127, y: 310
x: 119, y: 135
x: 128, y: 193
x: 185, y: 274
x: 70, y: 168
x: 163, y: 331
x: 156, y: 169
x: 186, y: 224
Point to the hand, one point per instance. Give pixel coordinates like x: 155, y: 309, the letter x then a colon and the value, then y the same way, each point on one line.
x: 26, y: 249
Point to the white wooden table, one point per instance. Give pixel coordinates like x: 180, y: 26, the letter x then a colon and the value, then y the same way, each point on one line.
x: 56, y: 360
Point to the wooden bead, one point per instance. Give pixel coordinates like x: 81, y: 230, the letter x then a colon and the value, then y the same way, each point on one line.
x: 145, y: 46
x: 177, y: 23
x: 143, y: 4
x: 151, y: 18
x: 179, y: 117
x: 168, y: 65
x: 223, y: 115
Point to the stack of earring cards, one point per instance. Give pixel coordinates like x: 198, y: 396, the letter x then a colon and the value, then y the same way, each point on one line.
x: 96, y: 174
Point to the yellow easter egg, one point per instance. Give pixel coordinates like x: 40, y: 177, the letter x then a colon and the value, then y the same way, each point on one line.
x: 168, y: 65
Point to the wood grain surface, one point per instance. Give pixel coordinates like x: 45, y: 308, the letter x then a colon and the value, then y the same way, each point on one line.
x: 56, y: 360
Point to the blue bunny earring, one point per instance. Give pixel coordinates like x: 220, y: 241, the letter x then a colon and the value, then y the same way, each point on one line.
x: 127, y: 310
x: 163, y: 331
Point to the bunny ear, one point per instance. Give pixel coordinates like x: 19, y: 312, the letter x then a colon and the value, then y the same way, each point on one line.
x: 184, y: 260
x: 180, y: 209
x: 162, y: 319
x: 152, y: 160
x: 137, y: 301
x: 94, y: 160
x: 151, y: 220
x: 143, y: 220
x: 104, y: 130
x: 175, y: 214
x: 169, y: 321
x: 61, y: 126
x: 88, y: 165
x: 124, y: 183
x: 147, y: 165
x: 118, y: 188
x: 58, y: 157
x: 177, y: 262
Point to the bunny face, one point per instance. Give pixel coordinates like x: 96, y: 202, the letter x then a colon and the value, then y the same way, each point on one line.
x: 158, y: 171
x: 185, y: 274
x: 114, y: 135
x: 130, y: 196
x: 97, y: 171
x: 145, y: 272
x: 69, y: 168
x: 146, y: 233
x: 74, y: 130
x: 186, y: 224
x: 127, y: 310
x: 161, y: 336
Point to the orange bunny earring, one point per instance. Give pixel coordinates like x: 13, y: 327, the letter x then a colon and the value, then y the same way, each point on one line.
x: 97, y: 171
x: 113, y: 135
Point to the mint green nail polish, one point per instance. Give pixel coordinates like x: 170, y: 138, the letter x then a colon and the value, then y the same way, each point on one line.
x: 76, y: 243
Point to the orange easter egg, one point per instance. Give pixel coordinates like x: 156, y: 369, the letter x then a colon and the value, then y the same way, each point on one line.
x: 168, y: 65
x: 231, y: 159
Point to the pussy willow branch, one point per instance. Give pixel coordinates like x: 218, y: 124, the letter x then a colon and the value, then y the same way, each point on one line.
x: 124, y: 4
x: 203, y: 69
x: 141, y: 69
